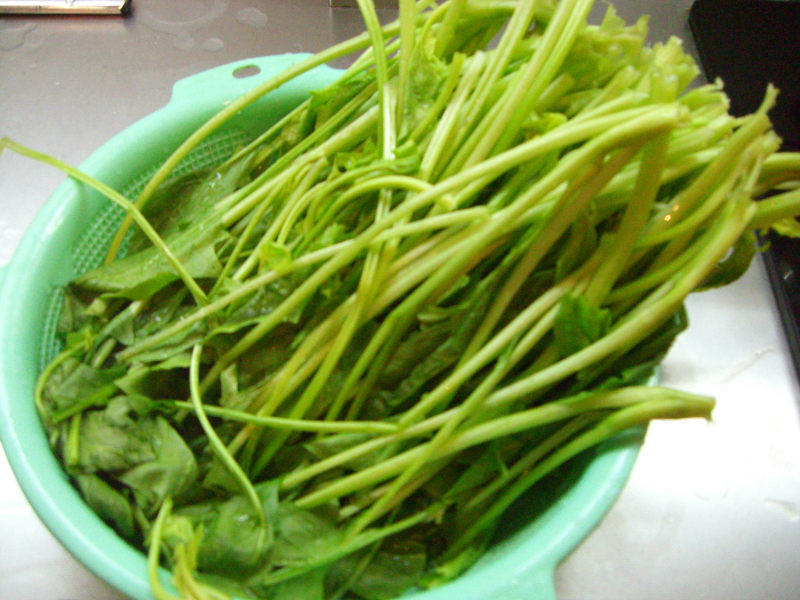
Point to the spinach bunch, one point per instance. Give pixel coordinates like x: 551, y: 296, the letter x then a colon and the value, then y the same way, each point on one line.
x: 327, y: 366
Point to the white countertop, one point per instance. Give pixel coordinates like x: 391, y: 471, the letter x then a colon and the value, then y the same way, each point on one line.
x: 711, y: 511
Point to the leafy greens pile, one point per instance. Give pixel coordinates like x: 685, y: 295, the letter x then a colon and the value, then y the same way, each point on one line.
x: 327, y: 366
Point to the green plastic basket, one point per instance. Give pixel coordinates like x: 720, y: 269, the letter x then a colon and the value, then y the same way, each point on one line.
x: 70, y: 235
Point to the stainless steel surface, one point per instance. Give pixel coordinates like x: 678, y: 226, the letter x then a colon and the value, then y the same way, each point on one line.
x: 65, y: 7
x: 711, y: 511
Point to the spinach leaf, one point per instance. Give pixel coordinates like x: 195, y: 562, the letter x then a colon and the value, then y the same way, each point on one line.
x: 112, y: 506
x: 76, y: 386
x: 162, y: 380
x: 140, y: 275
x: 170, y: 473
x: 74, y: 315
x: 398, y: 565
x: 637, y: 365
x: 188, y: 199
x: 734, y: 265
x: 426, y: 75
x: 136, y: 449
x: 302, y: 536
x: 116, y: 438
x: 578, y: 323
x: 308, y: 586
x: 326, y: 102
x: 235, y: 541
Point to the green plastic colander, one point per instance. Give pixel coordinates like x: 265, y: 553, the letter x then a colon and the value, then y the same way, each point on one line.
x: 70, y: 235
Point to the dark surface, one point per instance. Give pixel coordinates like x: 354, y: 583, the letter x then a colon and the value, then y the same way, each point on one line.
x: 750, y: 44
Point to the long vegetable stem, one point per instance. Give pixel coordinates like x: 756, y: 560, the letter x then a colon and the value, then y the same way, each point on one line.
x: 615, y: 423
x: 498, y: 123
x: 496, y: 428
x: 134, y: 214
x: 633, y: 221
x: 637, y: 326
x: 574, y: 201
x: 218, y: 447
x: 658, y: 118
x: 776, y: 208
x: 154, y: 553
x: 325, y: 56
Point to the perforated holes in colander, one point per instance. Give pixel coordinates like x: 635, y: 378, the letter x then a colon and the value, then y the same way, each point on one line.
x: 90, y: 248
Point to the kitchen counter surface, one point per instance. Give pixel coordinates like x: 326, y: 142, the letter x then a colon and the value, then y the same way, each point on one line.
x: 711, y: 510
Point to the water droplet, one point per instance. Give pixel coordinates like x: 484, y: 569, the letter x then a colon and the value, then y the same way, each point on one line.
x: 252, y: 16
x: 213, y: 44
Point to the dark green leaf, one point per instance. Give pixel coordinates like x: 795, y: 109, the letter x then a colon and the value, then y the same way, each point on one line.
x: 638, y: 365
x: 107, y: 502
x: 144, y: 273
x: 167, y: 379
x: 170, y: 473
x: 302, y: 536
x: 74, y: 315
x: 177, y: 344
x: 187, y: 200
x: 398, y: 565
x: 420, y: 343
x: 115, y: 438
x: 578, y: 324
x: 163, y: 308
x: 235, y: 541
x: 75, y: 386
x: 258, y: 305
x: 481, y: 469
x: 734, y: 264
x: 308, y: 586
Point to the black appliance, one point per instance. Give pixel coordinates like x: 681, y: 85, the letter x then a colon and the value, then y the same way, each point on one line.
x: 748, y: 44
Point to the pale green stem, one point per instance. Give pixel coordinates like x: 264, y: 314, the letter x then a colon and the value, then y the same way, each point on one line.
x: 636, y: 327
x: 284, y: 423
x: 776, y: 208
x: 153, y: 559
x: 496, y: 428
x: 217, y: 447
x: 332, y: 53
x: 611, y: 425
x: 634, y: 219
x: 134, y: 214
